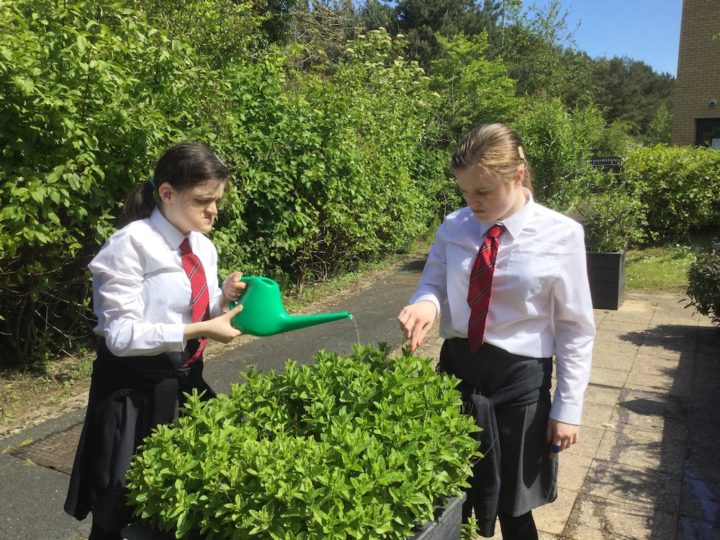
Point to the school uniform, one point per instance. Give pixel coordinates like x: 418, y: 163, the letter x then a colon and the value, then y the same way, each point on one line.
x: 540, y: 308
x: 141, y: 296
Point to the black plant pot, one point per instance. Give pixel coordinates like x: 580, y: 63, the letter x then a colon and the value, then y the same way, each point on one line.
x: 445, y: 527
x: 606, y: 273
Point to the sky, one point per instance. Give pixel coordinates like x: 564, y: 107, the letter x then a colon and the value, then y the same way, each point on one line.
x: 646, y: 30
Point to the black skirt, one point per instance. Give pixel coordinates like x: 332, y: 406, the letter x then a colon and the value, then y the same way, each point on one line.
x: 509, y: 397
x: 128, y: 398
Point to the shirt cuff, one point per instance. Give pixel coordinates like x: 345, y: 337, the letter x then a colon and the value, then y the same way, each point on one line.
x: 174, y: 337
x: 568, y: 413
x: 428, y: 298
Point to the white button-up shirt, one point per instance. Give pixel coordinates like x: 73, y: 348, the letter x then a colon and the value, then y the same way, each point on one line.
x: 540, y: 304
x: 141, y: 293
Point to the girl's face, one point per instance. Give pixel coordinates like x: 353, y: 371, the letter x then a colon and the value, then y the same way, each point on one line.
x: 192, y: 209
x: 490, y: 198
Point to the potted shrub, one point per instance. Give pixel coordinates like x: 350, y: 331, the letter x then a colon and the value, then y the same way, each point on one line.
x: 612, y: 220
x: 359, y: 446
x: 704, y: 285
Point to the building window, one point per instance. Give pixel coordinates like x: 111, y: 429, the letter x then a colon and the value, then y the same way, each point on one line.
x: 707, y: 132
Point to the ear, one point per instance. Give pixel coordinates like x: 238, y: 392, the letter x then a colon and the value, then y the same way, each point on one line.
x: 519, y: 175
x: 166, y: 192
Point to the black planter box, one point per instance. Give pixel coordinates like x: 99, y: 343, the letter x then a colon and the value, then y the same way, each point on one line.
x: 606, y: 273
x: 445, y: 527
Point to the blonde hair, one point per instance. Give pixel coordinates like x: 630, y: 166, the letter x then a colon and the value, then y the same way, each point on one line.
x: 496, y: 150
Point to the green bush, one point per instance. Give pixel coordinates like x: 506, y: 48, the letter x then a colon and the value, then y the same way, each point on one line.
x: 326, y: 163
x: 559, y: 143
x: 612, y: 218
x: 83, y: 110
x: 363, y: 446
x: 679, y: 188
x: 704, y: 285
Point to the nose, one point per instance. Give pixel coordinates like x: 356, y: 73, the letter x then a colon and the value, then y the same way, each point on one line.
x: 471, y: 199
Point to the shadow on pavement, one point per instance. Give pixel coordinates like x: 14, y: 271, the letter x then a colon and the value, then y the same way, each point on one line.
x: 686, y: 481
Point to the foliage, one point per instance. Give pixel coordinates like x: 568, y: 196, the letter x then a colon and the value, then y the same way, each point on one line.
x: 535, y: 57
x: 82, y: 110
x: 352, y: 447
x: 558, y: 143
x: 422, y: 21
x: 92, y: 94
x: 220, y: 31
x: 612, y: 218
x: 615, y: 140
x: 473, y: 90
x: 659, y: 129
x: 704, y: 285
x: 678, y: 186
x: 630, y: 91
x: 347, y: 185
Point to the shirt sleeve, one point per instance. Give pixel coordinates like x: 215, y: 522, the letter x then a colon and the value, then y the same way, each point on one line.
x: 433, y: 283
x: 118, y: 273
x: 574, y: 324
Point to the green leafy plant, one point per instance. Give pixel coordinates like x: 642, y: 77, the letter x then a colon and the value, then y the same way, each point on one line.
x: 363, y: 446
x: 612, y: 218
x: 331, y: 164
x: 704, y: 285
x: 678, y: 186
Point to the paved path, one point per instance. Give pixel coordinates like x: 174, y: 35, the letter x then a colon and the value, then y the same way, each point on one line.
x: 647, y: 464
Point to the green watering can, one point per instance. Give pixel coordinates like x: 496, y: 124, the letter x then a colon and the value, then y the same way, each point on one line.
x: 263, y: 313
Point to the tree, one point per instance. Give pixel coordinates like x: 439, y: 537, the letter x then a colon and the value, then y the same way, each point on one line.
x: 422, y: 20
x: 629, y: 90
x: 472, y: 88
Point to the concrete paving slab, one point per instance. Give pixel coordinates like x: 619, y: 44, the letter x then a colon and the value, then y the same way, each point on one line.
x: 677, y: 385
x: 646, y: 449
x: 597, y: 415
x: 661, y: 352
x: 551, y: 518
x: 697, y: 529
x: 573, y: 470
x: 616, y: 348
x: 653, y: 364
x: 612, y: 361
x: 623, y: 484
x: 698, y: 499
x: 647, y: 421
x: 608, y: 377
x: 653, y: 403
x: 588, y: 442
x: 602, y: 395
x: 608, y: 520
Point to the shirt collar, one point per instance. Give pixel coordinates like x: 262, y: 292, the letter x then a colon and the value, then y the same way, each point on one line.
x: 167, y: 230
x: 516, y: 222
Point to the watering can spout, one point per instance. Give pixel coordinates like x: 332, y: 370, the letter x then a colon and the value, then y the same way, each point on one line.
x: 264, y: 315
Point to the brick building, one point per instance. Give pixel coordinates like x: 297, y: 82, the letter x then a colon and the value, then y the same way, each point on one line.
x: 696, y: 97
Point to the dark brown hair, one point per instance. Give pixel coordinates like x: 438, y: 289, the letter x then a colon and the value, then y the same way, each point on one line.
x: 183, y: 166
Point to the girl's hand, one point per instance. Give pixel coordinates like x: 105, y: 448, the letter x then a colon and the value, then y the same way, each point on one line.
x: 415, y: 321
x: 233, y: 288
x: 561, y: 436
x: 218, y: 328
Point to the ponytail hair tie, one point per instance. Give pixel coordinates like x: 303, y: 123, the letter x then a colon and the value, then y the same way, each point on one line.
x: 521, y: 153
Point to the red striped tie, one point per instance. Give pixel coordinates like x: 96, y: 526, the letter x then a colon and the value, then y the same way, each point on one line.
x: 480, y: 286
x: 200, y: 300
